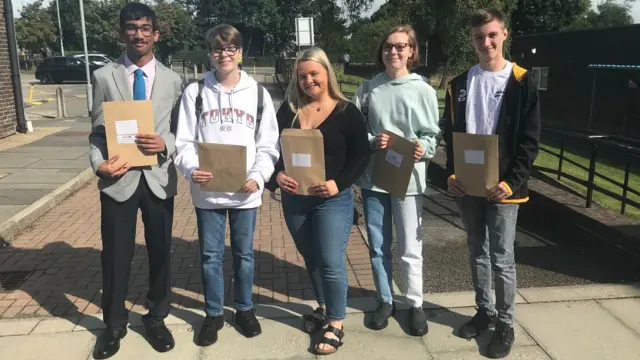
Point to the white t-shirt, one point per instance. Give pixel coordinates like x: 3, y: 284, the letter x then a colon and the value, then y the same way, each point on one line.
x: 485, y: 90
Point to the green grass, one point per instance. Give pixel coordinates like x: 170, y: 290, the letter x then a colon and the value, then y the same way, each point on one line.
x: 549, y: 161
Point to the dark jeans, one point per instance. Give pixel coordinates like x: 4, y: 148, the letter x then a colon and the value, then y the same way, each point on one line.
x: 118, y: 227
x: 211, y: 232
x: 320, y: 228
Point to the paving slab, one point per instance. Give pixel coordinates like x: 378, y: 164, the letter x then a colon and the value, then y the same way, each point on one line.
x: 626, y: 310
x: 49, y: 155
x: 456, y: 299
x: 362, y: 343
x: 135, y: 347
x: 17, y: 160
x: 444, y: 324
x: 578, y: 330
x: 67, y: 346
x: 585, y: 292
x: 17, y: 327
x: 269, y: 345
x: 21, y: 197
x: 55, y: 325
x: 43, y: 149
x: 517, y: 353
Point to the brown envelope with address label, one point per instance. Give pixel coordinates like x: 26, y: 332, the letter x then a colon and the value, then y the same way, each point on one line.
x: 392, y: 167
x: 475, y: 159
x: 303, y: 156
x: 123, y: 120
x: 227, y: 164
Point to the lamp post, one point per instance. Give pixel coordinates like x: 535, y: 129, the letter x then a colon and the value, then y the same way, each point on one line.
x: 60, y: 28
x: 86, y: 59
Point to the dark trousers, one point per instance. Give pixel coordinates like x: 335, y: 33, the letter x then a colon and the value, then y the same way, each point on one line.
x: 118, y: 246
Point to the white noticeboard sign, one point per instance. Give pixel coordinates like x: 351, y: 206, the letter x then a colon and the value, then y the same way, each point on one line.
x: 304, y: 32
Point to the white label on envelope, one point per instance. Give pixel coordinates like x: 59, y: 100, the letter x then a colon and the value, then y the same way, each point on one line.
x: 394, y: 158
x: 126, y: 131
x: 301, y: 160
x: 475, y: 157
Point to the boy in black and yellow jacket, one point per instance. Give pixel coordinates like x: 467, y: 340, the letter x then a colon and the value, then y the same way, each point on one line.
x: 494, y: 97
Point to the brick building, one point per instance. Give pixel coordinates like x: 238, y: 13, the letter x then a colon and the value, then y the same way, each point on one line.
x: 8, y: 119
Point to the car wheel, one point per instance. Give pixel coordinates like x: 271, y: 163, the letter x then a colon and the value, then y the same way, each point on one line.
x: 46, y: 79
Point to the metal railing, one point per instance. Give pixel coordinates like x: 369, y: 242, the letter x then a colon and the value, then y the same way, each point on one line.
x: 630, y: 154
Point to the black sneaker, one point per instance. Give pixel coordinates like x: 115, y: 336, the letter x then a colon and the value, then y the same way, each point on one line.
x: 209, y: 333
x: 248, y: 323
x: 501, y: 342
x: 380, y: 317
x: 418, y: 322
x: 480, y: 322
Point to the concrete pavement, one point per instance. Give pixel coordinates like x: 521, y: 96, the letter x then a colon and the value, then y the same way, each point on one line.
x: 562, y: 323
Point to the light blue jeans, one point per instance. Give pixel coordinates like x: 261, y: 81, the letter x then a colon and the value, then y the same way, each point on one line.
x: 381, y: 210
x: 320, y: 229
x: 211, y: 232
x: 491, y: 232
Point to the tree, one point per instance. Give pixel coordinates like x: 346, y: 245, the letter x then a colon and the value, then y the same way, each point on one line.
x: 609, y: 13
x: 537, y: 16
x: 330, y: 27
x: 35, y: 28
x: 366, y: 39
x: 177, y: 29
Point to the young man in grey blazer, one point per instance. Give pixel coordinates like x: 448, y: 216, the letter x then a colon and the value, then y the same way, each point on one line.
x: 136, y: 75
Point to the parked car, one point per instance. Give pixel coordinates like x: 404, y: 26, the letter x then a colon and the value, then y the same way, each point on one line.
x: 57, y: 69
x: 98, y: 59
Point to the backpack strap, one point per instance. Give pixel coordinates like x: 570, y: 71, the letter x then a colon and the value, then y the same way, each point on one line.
x: 198, y: 104
x: 364, y: 105
x: 260, y: 108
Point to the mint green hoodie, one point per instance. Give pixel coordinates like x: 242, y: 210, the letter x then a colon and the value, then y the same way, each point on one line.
x: 407, y: 106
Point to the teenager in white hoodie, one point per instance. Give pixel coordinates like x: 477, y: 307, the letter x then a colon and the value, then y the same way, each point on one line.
x: 228, y: 116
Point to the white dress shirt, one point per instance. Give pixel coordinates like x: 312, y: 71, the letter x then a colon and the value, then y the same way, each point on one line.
x: 149, y: 74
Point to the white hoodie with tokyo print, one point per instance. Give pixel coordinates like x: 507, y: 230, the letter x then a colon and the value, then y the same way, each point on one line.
x: 228, y: 117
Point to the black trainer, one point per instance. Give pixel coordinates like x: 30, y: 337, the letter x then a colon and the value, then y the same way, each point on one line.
x: 380, y: 317
x: 501, y: 342
x: 480, y: 322
x: 209, y: 333
x: 248, y: 323
x: 418, y: 322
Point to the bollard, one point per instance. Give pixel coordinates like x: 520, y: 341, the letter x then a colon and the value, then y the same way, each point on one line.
x: 62, y: 108
x: 31, y: 95
x: 195, y: 71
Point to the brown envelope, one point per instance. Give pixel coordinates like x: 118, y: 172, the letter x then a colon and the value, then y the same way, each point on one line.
x: 303, y: 155
x: 392, y: 167
x: 475, y: 159
x: 123, y: 120
x: 227, y: 164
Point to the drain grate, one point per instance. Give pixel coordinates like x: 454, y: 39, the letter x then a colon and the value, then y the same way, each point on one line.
x: 11, y: 280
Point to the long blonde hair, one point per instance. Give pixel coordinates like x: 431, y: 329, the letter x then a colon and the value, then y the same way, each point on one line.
x: 296, y: 97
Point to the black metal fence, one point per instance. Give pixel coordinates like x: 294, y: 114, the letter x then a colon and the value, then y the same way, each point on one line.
x: 628, y: 155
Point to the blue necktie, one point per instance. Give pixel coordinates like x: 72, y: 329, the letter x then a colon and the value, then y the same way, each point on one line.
x: 139, y: 92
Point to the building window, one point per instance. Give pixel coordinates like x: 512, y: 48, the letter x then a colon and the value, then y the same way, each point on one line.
x: 542, y: 77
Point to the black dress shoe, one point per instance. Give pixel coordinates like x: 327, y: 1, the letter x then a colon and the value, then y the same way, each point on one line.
x: 160, y: 338
x: 380, y: 317
x: 248, y: 323
x: 209, y: 333
x: 108, y: 343
x: 418, y: 322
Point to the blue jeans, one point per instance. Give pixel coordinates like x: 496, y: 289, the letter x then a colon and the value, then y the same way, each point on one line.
x: 491, y: 233
x: 211, y: 232
x: 381, y: 210
x: 320, y: 228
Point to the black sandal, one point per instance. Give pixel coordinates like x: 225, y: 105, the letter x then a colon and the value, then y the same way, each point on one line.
x: 329, y: 341
x: 315, y: 321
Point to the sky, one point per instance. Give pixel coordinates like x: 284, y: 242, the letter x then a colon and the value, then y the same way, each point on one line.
x: 635, y: 11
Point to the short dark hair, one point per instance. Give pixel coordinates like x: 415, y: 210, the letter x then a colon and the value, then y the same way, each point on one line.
x: 221, y: 35
x: 485, y: 16
x: 413, y: 42
x: 137, y: 11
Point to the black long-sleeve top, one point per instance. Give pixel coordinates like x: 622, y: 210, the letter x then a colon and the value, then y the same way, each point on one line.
x: 346, y: 145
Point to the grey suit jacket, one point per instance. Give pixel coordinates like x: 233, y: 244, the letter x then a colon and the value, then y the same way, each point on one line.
x: 110, y: 84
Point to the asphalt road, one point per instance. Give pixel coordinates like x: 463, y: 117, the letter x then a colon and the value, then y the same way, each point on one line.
x: 549, y: 252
